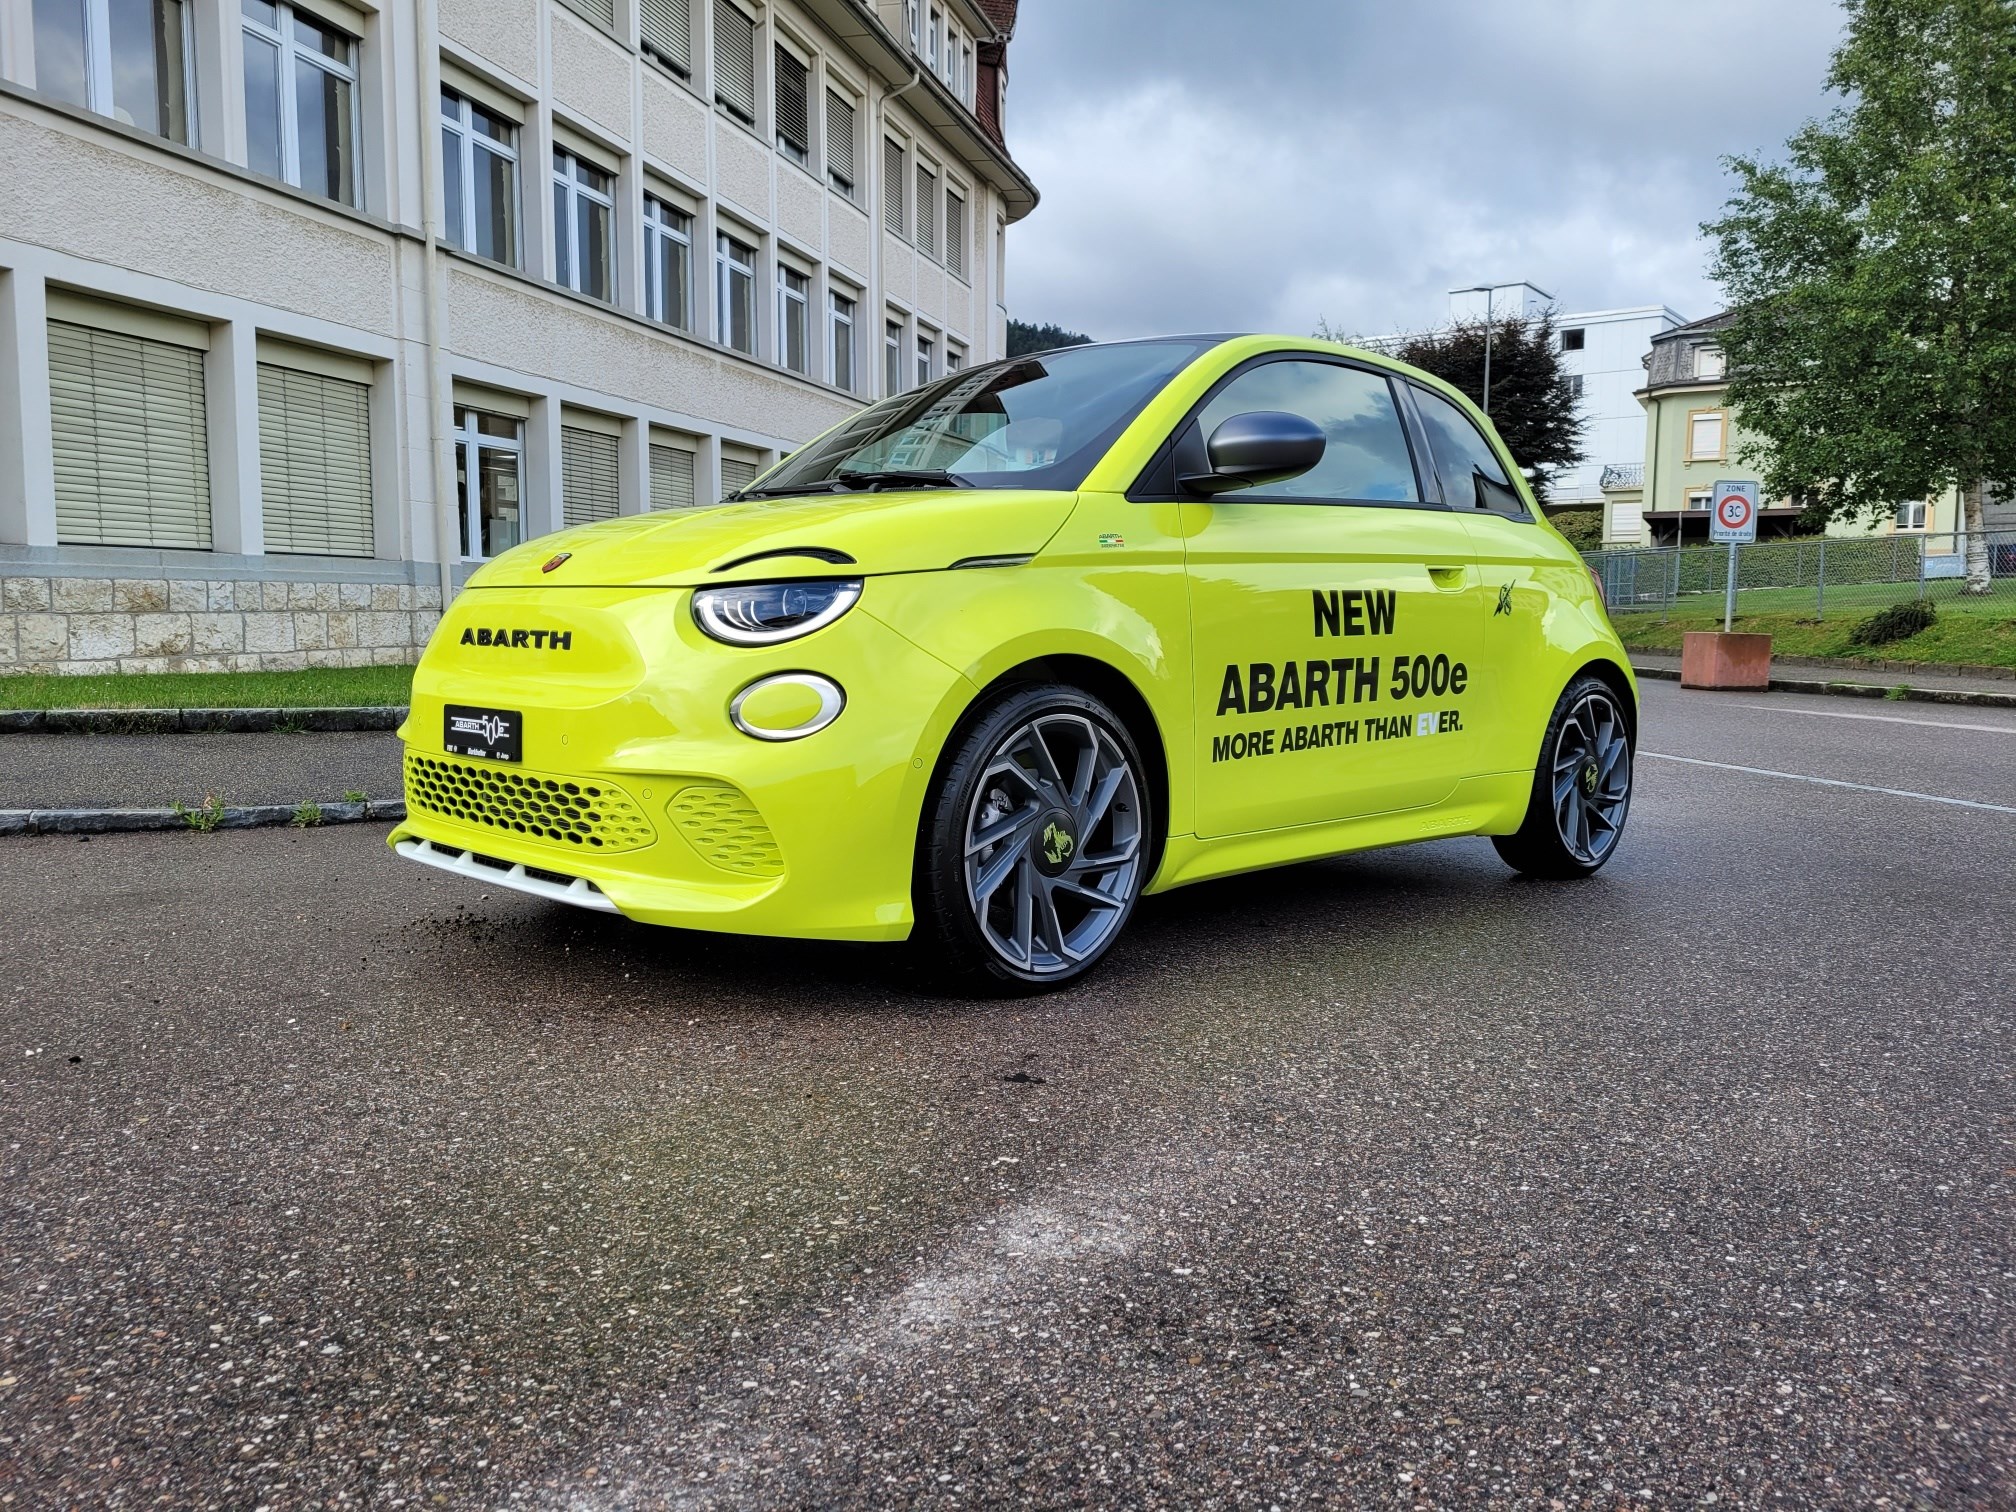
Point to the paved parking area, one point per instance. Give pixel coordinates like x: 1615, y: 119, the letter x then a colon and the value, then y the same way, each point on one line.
x: 327, y: 1180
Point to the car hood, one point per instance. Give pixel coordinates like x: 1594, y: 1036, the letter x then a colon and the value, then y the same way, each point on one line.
x: 839, y: 534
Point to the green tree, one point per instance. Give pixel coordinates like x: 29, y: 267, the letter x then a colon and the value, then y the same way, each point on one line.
x: 1533, y: 396
x: 1873, y: 273
x: 1025, y: 339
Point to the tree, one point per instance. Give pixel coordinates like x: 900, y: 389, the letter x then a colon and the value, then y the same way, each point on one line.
x: 1025, y: 340
x: 1873, y: 273
x: 1532, y: 395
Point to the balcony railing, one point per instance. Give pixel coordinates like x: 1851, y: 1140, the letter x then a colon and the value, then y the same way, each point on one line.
x: 1622, y: 475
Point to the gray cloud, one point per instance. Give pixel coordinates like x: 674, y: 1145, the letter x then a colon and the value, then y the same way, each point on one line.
x: 1256, y: 164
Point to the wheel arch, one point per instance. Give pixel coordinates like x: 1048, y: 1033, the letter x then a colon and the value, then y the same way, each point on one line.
x: 1607, y: 671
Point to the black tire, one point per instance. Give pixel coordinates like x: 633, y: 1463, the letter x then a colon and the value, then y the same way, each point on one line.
x: 1581, y: 788
x: 1038, y: 904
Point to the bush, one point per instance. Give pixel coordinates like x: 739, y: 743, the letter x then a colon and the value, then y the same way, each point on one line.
x: 1898, y: 622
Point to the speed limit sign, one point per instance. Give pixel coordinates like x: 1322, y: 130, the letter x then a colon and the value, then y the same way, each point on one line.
x: 1733, y: 511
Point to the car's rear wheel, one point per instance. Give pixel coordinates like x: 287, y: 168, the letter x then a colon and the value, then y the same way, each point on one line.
x: 1035, y: 842
x: 1581, y: 789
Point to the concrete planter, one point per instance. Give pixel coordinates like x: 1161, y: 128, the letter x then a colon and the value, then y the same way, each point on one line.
x: 1712, y: 659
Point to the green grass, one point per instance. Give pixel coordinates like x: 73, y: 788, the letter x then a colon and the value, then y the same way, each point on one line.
x: 321, y: 687
x: 1974, y: 632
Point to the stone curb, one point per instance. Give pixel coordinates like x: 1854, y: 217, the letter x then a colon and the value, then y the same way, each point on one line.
x: 199, y: 721
x: 1858, y: 690
x: 105, y: 821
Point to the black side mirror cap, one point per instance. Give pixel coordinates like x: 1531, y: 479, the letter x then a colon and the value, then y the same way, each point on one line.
x: 1263, y: 446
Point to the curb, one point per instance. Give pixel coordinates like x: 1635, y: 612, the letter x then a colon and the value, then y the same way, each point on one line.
x: 199, y: 721
x: 1855, y: 690
x: 106, y: 821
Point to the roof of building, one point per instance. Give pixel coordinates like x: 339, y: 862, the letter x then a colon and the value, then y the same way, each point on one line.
x: 1713, y: 322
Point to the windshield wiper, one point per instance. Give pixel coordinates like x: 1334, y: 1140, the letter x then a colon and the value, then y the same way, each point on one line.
x: 899, y: 477
x: 784, y: 491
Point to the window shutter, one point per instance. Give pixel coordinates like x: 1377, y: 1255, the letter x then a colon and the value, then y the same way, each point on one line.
x: 315, y: 462
x: 735, y: 60
x: 132, y: 455
x: 892, y: 184
x: 927, y: 211
x: 736, y: 473
x: 955, y: 233
x: 666, y: 27
x: 601, y: 12
x: 588, y: 476
x: 671, y: 477
x: 840, y: 139
x: 792, y: 109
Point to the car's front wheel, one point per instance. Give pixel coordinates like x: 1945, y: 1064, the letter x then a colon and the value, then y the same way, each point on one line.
x: 1035, y: 842
x: 1581, y: 790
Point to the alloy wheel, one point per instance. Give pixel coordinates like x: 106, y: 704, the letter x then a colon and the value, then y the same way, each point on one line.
x: 1054, y: 844
x: 1592, y: 777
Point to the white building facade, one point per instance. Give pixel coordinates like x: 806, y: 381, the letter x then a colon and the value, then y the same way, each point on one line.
x: 308, y: 308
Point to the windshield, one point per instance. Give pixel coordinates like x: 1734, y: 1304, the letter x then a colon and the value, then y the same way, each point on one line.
x: 1028, y: 422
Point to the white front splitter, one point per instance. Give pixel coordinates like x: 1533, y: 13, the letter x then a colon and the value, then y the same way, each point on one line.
x: 579, y: 890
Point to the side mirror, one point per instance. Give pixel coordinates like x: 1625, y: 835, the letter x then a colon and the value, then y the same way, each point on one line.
x: 1265, y: 446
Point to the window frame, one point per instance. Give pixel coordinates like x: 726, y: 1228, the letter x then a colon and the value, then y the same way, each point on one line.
x: 793, y: 304
x: 290, y: 52
x: 836, y: 320
x: 848, y: 184
x: 892, y: 356
x: 795, y: 152
x: 99, y: 97
x: 925, y: 349
x: 1721, y: 452
x: 467, y: 432
x: 468, y: 143
x: 725, y: 270
x: 658, y: 228
x: 1710, y: 353
x: 1705, y: 495
x: 721, y: 101
x: 1157, y: 483
x: 1922, y: 519
x: 577, y: 189
x: 1580, y: 343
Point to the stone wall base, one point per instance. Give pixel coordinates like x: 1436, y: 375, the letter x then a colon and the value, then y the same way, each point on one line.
x: 69, y: 625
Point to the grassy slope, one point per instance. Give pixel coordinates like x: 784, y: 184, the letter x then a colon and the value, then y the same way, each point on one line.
x: 333, y: 687
x: 1984, y: 639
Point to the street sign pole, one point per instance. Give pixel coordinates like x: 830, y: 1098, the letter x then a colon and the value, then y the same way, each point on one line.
x: 1732, y: 521
x: 1729, y: 602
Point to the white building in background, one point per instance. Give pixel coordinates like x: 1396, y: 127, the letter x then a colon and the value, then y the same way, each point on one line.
x: 306, y: 308
x: 1604, y: 353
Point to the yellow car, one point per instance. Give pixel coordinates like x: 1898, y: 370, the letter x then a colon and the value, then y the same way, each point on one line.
x: 989, y: 660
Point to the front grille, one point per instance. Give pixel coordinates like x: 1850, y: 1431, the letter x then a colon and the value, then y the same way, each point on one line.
x: 581, y: 813
x: 724, y: 827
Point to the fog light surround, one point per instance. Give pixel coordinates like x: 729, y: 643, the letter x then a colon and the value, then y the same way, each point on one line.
x: 787, y: 706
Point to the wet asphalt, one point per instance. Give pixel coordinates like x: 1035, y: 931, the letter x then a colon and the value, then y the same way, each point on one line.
x: 1390, y: 1180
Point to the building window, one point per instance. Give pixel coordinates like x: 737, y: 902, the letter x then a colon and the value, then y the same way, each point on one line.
x: 601, y: 12
x: 966, y: 74
x: 734, y: 293
x: 926, y: 351
x: 127, y: 59
x: 935, y: 41
x: 955, y: 231
x: 129, y: 432
x: 668, y: 263
x: 735, y: 62
x: 1572, y: 339
x: 1699, y: 498
x: 841, y: 309
x: 893, y: 159
x: 1575, y: 386
x: 665, y: 28
x: 583, y: 207
x: 1709, y: 362
x: 489, y: 465
x: 1911, y: 516
x: 927, y: 211
x: 300, y: 101
x: 737, y: 472
x: 916, y: 34
x: 952, y: 58
x: 479, y: 179
x: 793, y: 318
x: 840, y: 169
x: 1704, y: 435
x: 315, y: 462
x: 590, y: 487
x: 792, y: 87
x: 955, y: 357
x: 892, y: 357
x: 672, y: 474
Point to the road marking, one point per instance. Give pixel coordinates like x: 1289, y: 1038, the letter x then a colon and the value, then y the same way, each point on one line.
x: 1930, y: 724
x: 1860, y: 787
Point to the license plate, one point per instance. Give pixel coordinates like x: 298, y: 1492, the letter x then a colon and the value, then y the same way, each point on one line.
x: 492, y: 734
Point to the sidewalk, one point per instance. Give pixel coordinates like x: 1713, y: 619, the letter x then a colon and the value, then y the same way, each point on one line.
x: 1927, y: 684
x: 155, y: 771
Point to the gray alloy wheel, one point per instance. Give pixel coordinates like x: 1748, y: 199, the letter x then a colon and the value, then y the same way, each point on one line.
x: 1591, y: 777
x: 1054, y: 849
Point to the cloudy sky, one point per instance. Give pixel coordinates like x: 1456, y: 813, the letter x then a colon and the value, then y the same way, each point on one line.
x: 1257, y: 164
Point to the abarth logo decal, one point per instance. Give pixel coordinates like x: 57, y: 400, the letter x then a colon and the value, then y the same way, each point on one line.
x: 1112, y: 540
x: 1504, y: 600
x: 555, y: 560
x: 492, y: 727
x: 1057, y: 845
x: 538, y: 640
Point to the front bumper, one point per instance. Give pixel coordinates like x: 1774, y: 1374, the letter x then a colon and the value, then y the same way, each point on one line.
x: 636, y: 794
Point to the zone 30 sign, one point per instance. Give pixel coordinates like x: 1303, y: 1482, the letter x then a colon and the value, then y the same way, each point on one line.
x: 1733, y: 509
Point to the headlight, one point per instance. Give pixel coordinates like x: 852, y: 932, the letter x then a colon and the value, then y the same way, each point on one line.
x: 761, y: 614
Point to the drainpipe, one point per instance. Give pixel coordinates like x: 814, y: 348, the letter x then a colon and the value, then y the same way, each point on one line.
x: 446, y: 531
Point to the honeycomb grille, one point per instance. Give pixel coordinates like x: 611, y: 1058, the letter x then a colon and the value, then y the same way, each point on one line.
x: 573, y: 812
x: 724, y: 827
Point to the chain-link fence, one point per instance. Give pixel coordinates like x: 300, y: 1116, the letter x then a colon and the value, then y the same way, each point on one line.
x: 1816, y: 578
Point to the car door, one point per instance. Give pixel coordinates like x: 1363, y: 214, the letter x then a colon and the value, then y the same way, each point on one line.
x: 1334, y: 616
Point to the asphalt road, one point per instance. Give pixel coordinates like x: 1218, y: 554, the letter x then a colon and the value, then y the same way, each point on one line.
x: 1389, y: 1180
x: 153, y: 771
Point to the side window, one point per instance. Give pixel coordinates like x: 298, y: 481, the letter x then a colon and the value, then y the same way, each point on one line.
x: 1366, y: 456
x: 1472, y: 476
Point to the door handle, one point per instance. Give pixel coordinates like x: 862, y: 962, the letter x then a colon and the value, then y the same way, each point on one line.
x: 1449, y: 579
